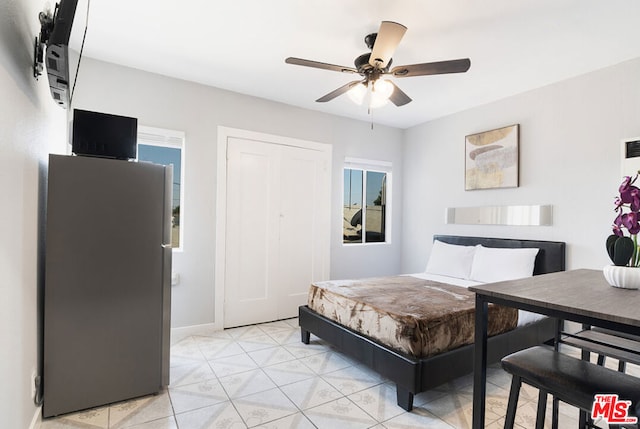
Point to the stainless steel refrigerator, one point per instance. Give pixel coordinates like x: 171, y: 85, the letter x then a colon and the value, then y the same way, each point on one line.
x: 107, y: 295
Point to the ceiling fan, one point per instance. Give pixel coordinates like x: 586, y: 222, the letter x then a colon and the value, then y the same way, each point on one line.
x: 375, y: 64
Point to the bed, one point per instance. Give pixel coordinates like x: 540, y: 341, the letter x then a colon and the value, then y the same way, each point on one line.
x: 414, y: 370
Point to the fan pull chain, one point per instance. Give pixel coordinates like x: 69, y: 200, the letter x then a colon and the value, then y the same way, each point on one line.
x: 370, y: 113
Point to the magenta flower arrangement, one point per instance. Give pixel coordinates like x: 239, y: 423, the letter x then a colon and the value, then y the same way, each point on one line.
x: 623, y: 249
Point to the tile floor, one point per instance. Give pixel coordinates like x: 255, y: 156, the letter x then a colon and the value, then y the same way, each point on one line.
x: 262, y: 376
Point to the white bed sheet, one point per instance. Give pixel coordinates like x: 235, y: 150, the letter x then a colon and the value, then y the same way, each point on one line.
x: 524, y: 317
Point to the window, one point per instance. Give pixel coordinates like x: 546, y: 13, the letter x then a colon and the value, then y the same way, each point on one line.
x: 167, y: 147
x: 367, y: 186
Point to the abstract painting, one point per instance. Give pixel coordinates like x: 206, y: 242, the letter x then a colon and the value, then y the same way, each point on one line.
x: 491, y: 159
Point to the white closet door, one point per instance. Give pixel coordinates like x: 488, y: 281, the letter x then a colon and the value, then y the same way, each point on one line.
x: 252, y: 229
x: 276, y: 246
x: 303, y: 214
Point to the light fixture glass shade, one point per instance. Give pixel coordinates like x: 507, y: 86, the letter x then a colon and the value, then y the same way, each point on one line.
x: 357, y: 93
x: 380, y: 92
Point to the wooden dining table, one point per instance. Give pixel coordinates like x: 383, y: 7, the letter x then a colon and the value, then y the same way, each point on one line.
x: 582, y: 296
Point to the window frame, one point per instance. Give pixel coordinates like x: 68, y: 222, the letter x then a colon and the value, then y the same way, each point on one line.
x: 160, y: 137
x: 374, y: 166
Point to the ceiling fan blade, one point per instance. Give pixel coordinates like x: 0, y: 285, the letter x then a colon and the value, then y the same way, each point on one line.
x: 336, y: 92
x: 319, y: 65
x: 387, y: 40
x: 441, y: 67
x: 398, y: 96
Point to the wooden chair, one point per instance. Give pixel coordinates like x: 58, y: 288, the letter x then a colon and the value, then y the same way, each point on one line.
x: 571, y: 380
x: 606, y: 343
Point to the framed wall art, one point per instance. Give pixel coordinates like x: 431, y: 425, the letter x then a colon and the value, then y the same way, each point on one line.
x: 491, y: 158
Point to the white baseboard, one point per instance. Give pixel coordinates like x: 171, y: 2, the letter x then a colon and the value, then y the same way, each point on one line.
x: 181, y: 333
x: 36, y: 421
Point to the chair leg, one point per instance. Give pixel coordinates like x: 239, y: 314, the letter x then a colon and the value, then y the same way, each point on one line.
x: 622, y: 366
x: 542, y: 409
x: 514, y: 393
x: 554, y: 413
x: 583, y: 421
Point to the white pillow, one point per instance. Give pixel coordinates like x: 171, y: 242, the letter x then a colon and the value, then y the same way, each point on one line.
x: 491, y: 264
x: 450, y: 260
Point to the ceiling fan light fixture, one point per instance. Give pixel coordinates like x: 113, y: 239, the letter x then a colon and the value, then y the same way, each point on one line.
x: 381, y: 90
x: 383, y: 87
x: 372, y: 66
x: 357, y: 93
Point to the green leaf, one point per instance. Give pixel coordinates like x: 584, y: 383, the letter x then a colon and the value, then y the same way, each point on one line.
x: 622, y: 251
x: 611, y: 240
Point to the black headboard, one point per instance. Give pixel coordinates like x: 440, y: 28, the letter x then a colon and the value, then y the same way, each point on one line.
x: 550, y: 258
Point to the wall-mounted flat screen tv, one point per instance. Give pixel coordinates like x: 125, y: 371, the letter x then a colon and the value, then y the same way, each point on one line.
x: 69, y: 24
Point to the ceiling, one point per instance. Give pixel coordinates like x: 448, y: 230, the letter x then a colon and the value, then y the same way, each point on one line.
x: 240, y: 45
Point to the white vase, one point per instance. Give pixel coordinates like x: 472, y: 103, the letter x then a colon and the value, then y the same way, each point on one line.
x: 622, y: 277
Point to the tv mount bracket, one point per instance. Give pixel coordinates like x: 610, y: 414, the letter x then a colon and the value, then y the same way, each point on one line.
x: 46, y: 25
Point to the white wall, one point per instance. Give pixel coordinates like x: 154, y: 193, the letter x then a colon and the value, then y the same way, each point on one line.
x: 198, y: 110
x: 570, y: 135
x: 31, y: 126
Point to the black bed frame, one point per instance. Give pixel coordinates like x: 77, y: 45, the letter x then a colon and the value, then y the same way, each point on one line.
x: 414, y: 375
